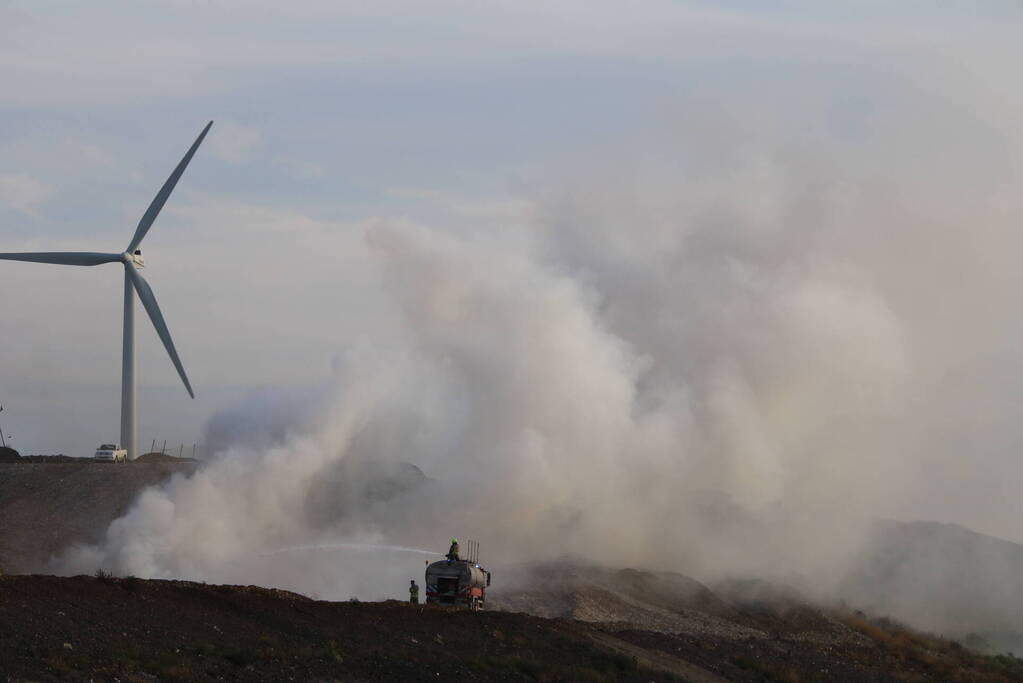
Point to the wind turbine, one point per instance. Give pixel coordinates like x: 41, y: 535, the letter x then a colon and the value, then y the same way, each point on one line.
x: 131, y: 259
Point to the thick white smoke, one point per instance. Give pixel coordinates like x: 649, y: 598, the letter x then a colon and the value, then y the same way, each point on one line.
x: 721, y: 349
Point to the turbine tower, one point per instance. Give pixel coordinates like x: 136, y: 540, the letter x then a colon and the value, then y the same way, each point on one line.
x: 131, y: 259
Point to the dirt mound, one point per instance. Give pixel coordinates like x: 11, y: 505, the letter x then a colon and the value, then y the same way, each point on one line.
x: 8, y: 454
x: 45, y: 507
x: 59, y: 457
x: 129, y: 629
x: 666, y: 602
x: 161, y: 457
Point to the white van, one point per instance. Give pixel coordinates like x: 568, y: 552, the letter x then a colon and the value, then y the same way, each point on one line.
x: 111, y: 452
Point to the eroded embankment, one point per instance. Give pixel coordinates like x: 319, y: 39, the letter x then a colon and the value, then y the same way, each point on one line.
x: 44, y: 507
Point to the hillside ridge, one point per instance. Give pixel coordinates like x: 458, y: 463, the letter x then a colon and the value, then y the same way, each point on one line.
x: 136, y: 630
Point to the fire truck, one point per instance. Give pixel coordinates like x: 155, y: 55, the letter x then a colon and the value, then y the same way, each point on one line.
x: 458, y: 582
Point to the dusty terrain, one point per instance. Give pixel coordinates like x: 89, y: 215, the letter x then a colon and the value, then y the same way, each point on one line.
x: 741, y: 631
x: 134, y: 630
x: 564, y: 621
x: 44, y: 507
x: 104, y: 628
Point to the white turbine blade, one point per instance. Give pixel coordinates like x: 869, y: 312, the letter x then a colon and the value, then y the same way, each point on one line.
x: 161, y: 197
x: 149, y: 303
x: 64, y: 258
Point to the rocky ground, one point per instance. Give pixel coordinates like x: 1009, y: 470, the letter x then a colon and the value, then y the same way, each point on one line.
x: 740, y: 632
x: 126, y: 629
x: 84, y: 628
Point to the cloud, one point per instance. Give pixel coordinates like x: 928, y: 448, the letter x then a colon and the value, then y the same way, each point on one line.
x: 92, y: 153
x: 22, y: 192
x: 105, y: 55
x: 507, y: 208
x: 234, y: 142
x: 301, y: 168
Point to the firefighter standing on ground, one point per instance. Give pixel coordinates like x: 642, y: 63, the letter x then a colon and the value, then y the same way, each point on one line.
x: 413, y: 593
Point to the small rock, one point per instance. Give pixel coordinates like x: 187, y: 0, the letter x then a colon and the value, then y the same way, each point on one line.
x: 67, y: 646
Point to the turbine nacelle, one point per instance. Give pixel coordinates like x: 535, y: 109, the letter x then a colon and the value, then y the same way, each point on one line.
x: 135, y: 259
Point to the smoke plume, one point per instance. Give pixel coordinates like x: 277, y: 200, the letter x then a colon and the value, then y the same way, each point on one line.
x: 723, y: 347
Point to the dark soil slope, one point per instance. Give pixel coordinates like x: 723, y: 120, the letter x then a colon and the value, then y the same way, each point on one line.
x: 132, y: 630
x: 85, y: 628
x: 44, y: 507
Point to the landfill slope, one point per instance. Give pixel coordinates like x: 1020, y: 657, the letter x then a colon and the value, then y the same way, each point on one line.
x: 45, y: 507
x: 128, y: 629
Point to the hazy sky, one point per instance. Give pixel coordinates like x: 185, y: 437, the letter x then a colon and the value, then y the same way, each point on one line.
x: 558, y: 126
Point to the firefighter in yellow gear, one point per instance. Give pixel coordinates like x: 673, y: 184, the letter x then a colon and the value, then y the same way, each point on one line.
x: 413, y: 593
x: 453, y: 550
